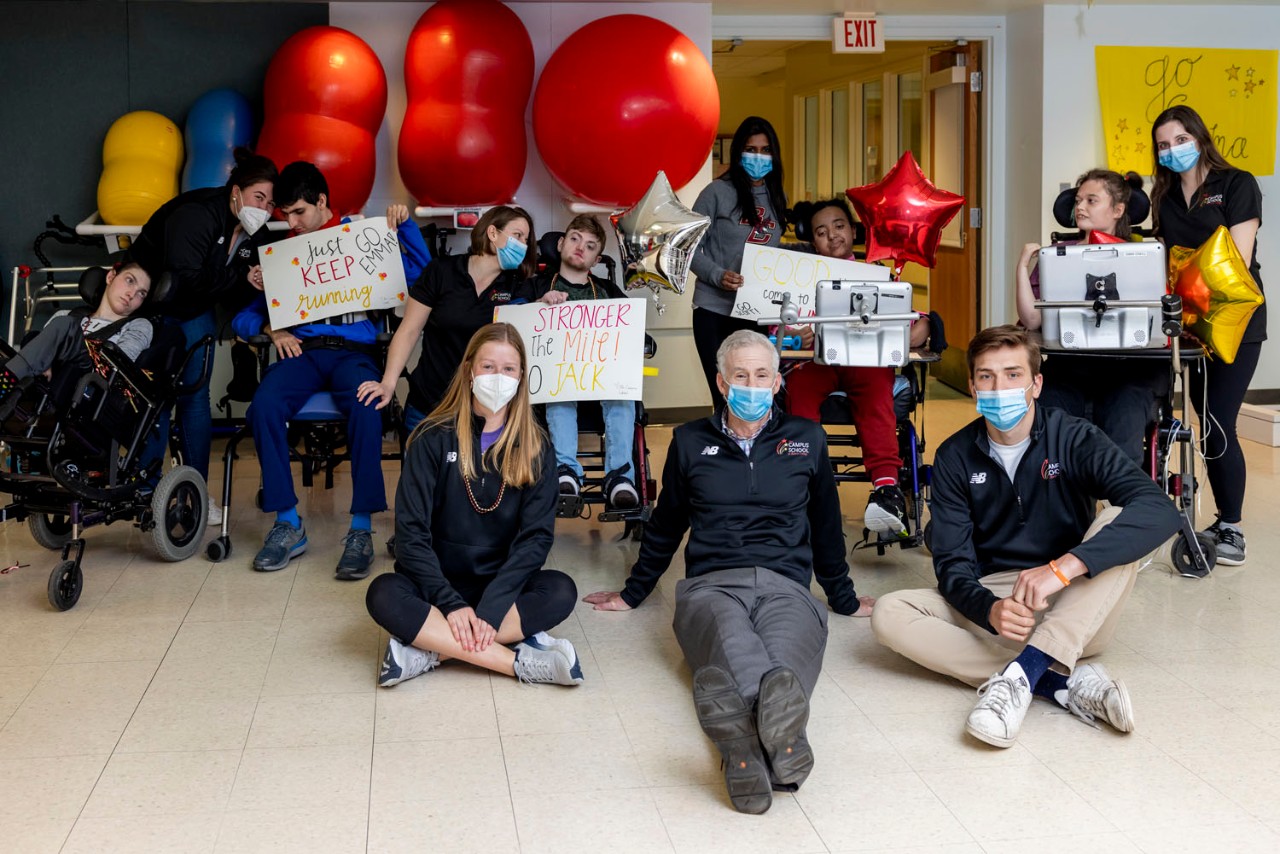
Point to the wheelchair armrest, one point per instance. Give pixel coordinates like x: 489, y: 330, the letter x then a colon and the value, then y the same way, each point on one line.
x: 650, y: 346
x: 384, y: 338
x: 129, y: 372
x: 204, y: 344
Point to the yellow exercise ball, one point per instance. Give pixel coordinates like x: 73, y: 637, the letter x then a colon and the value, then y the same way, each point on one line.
x: 141, y: 162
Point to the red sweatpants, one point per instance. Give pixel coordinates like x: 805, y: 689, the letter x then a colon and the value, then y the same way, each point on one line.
x: 870, y: 392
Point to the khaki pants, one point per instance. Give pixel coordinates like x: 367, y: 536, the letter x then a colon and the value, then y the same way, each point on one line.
x: 1079, y: 622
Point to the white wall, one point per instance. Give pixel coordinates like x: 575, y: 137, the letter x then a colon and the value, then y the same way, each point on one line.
x: 1025, y: 74
x: 386, y: 27
x: 1072, y: 121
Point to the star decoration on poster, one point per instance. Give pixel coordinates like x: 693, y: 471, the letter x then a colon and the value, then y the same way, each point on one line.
x: 1233, y: 72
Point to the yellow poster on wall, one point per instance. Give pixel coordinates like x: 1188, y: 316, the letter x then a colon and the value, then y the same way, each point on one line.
x: 1234, y: 91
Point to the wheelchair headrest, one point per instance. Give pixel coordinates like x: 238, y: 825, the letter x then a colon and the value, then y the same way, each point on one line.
x: 1139, y: 207
x: 547, y: 251
x: 93, y: 282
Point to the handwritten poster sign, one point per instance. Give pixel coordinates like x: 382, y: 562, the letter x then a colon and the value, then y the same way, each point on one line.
x: 1234, y: 91
x: 769, y: 272
x: 581, y: 349
x: 351, y: 267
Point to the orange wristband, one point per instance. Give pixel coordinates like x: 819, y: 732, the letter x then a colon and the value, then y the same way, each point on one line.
x: 1053, y: 564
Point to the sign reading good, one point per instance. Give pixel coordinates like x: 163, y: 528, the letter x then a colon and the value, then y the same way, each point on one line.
x: 770, y: 272
x: 857, y: 34
x: 581, y: 349
x: 351, y: 267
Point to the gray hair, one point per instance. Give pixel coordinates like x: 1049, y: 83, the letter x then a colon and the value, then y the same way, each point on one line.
x: 737, y: 341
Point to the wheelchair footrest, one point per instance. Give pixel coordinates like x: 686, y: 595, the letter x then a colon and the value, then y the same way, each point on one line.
x: 639, y: 514
x: 570, y: 506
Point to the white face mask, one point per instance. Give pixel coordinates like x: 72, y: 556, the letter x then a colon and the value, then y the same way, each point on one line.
x: 252, y: 219
x: 494, y: 391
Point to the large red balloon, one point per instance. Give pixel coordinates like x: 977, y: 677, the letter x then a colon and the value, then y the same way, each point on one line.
x: 904, y: 214
x: 324, y: 98
x: 621, y: 99
x: 468, y: 70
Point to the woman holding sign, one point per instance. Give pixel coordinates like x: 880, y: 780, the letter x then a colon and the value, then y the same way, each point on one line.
x: 203, y: 239
x: 747, y: 205
x: 475, y: 517
x: 455, y: 297
x: 1195, y: 191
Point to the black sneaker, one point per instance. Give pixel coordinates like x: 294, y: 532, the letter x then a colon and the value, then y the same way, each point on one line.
x: 728, y: 721
x: 887, y: 512
x: 357, y: 556
x: 570, y: 483
x: 1230, y: 542
x: 782, y: 712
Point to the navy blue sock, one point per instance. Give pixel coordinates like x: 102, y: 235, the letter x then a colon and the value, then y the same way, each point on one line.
x: 362, y: 521
x: 1035, y: 663
x: 1050, y: 685
x: 291, y: 516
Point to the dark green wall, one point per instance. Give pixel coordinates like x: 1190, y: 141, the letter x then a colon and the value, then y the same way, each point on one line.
x: 69, y: 69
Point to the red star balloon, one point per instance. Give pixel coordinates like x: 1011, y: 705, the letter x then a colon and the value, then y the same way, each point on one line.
x: 1096, y: 236
x: 904, y: 214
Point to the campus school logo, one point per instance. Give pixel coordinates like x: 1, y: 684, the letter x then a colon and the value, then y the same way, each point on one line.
x: 1050, y: 471
x: 788, y: 448
x: 500, y: 296
x: 1215, y: 199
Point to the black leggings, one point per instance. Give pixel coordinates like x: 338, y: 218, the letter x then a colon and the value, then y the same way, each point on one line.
x: 709, y: 331
x: 1226, y: 385
x: 396, y: 604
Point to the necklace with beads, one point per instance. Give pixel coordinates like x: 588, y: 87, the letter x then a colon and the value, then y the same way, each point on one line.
x: 475, y: 505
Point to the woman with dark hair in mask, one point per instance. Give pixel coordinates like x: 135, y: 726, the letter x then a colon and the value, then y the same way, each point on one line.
x: 747, y: 205
x: 203, y: 239
x: 1194, y: 192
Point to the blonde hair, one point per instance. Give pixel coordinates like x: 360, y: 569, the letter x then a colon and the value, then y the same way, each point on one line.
x: 517, y: 454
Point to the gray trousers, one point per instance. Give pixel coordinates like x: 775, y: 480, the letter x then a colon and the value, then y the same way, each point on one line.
x: 748, y: 621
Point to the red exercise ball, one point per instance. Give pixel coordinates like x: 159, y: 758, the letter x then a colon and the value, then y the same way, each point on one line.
x: 468, y: 70
x: 324, y: 98
x: 621, y: 99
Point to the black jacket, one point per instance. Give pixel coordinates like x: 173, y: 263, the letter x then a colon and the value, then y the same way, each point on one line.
x: 189, y: 237
x: 983, y: 523
x: 779, y: 509
x: 456, y: 556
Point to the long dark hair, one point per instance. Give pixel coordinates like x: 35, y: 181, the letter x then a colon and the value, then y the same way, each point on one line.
x: 1163, y: 177
x: 737, y: 176
x: 1120, y: 189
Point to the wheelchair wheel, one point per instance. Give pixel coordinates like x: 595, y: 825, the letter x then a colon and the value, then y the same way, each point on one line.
x: 219, y: 549
x: 51, y: 530
x: 179, y: 509
x: 1184, y: 563
x: 65, y: 583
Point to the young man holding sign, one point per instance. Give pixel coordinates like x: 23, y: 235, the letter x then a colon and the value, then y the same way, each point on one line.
x: 579, y: 250
x: 336, y: 355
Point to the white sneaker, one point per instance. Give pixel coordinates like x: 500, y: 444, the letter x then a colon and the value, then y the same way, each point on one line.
x: 403, y: 662
x: 1092, y: 694
x: 1002, y: 705
x: 215, y: 513
x: 536, y: 662
x: 562, y: 644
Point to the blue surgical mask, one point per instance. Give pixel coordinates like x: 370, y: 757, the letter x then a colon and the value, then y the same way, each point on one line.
x: 1003, y: 408
x: 757, y: 165
x: 1180, y: 158
x: 750, y: 403
x: 511, y: 254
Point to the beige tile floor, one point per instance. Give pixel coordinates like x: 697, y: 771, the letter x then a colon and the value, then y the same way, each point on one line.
x: 203, y: 707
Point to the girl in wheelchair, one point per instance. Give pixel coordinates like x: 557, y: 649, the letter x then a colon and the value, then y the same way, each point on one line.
x: 68, y: 341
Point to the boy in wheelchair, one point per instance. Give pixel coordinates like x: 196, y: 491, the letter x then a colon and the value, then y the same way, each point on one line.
x: 67, y: 345
x: 579, y: 250
x: 334, y: 355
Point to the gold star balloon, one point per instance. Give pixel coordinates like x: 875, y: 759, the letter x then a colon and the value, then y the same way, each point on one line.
x: 657, y: 237
x: 1218, y: 294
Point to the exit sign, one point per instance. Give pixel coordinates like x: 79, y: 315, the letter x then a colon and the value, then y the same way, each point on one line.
x: 857, y: 34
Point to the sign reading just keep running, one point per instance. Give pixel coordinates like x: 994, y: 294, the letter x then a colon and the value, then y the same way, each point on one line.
x: 582, y: 349
x: 350, y: 267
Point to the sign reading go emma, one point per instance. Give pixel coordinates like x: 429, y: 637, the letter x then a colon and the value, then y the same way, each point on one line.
x: 350, y: 267
x: 857, y: 34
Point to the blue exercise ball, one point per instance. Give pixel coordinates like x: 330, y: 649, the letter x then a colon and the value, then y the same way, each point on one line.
x: 219, y: 121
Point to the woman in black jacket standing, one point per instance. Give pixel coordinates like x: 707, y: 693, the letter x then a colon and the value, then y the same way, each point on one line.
x: 1195, y: 191
x: 475, y: 517
x: 202, y: 238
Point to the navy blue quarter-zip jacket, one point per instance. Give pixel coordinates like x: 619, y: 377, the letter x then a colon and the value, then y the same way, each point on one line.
x: 985, y: 523
x: 777, y: 508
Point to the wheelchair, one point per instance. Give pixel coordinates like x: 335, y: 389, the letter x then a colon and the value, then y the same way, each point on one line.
x: 317, y: 434
x: 77, y: 448
x: 591, y: 422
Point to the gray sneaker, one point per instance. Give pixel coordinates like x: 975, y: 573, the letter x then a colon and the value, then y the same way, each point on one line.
x: 1230, y: 542
x: 536, y: 662
x: 284, y: 543
x: 357, y: 556
x: 403, y: 662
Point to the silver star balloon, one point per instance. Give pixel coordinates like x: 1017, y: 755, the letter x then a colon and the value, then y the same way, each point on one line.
x: 657, y: 237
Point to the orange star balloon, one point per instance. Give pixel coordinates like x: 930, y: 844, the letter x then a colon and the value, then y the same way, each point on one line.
x: 1218, y: 294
